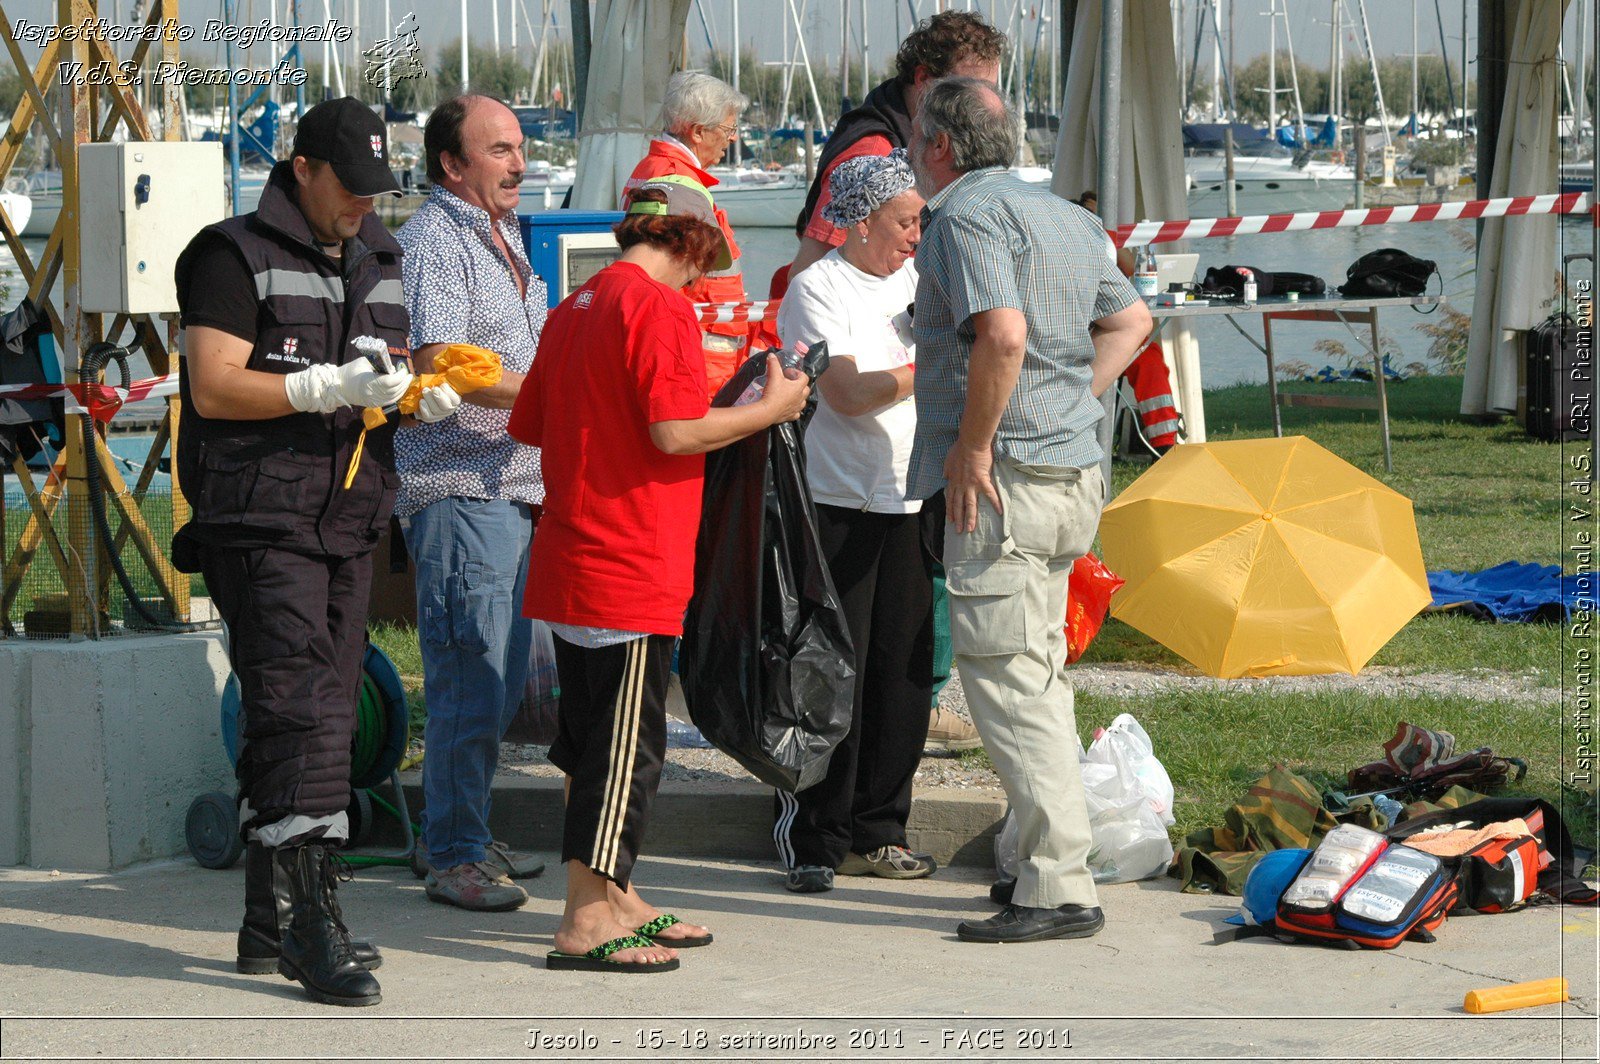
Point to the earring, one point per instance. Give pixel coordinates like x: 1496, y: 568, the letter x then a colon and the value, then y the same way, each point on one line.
x: 863, y: 238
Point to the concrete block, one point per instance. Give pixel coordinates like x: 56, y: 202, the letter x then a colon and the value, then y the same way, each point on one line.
x: 956, y: 826
x: 115, y: 739
x: 723, y: 821
x: 15, y: 724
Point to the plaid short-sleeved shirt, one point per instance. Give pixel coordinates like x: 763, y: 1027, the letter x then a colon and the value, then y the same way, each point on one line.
x: 990, y: 240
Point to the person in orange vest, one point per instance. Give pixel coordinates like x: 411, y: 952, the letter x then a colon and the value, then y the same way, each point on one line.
x: 1160, y: 423
x: 699, y: 119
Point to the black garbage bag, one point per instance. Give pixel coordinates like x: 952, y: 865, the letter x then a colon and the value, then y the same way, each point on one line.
x: 767, y: 663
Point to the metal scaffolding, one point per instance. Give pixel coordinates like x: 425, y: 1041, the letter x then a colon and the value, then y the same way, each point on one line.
x: 85, y: 113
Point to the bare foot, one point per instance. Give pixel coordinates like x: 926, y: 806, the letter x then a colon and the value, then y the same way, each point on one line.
x: 632, y: 911
x: 581, y: 932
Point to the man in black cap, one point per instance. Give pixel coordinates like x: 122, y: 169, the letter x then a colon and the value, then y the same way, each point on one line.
x: 295, y: 321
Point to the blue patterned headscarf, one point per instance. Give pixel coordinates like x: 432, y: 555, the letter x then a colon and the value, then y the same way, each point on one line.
x: 861, y: 185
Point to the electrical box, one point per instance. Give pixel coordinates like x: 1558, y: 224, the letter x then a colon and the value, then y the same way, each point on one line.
x: 139, y: 204
x: 568, y: 247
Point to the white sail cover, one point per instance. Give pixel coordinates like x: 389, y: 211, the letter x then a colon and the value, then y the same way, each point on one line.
x: 635, y: 46
x: 1516, y: 255
x: 1150, y: 179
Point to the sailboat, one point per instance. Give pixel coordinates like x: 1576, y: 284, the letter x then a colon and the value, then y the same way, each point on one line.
x: 1268, y: 178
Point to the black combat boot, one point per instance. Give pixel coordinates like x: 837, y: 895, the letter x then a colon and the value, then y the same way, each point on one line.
x: 316, y: 949
x: 266, y: 914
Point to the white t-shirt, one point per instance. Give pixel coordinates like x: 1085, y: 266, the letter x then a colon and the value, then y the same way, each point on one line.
x: 857, y: 462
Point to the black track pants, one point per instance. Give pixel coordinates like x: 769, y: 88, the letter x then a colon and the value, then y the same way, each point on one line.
x: 612, y: 741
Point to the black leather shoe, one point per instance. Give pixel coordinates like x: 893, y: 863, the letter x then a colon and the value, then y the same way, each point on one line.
x: 266, y: 914
x: 316, y: 949
x: 1002, y: 890
x: 1023, y: 923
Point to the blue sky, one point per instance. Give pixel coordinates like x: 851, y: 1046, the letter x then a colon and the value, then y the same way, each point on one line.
x: 761, y: 21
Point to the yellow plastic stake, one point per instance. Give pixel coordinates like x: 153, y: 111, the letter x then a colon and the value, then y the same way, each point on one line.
x: 1516, y: 996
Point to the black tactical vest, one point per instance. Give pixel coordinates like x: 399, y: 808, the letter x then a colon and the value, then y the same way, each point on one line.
x: 280, y: 481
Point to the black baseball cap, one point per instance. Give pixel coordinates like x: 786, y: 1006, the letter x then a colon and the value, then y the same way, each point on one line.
x: 353, y: 140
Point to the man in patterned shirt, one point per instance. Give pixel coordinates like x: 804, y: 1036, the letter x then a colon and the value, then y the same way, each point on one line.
x: 469, y: 493
x: 1022, y: 320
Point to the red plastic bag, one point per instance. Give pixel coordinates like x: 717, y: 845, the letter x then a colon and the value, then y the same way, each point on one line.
x: 1089, y: 591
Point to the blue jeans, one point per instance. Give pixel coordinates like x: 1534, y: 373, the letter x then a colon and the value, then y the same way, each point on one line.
x: 471, y: 559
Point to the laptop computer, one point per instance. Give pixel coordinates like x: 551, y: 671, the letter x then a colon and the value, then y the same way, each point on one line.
x: 1175, y: 269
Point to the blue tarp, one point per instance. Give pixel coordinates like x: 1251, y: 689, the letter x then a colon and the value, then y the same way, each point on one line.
x: 1327, y: 136
x: 1209, y: 136
x: 1329, y: 375
x: 1514, y: 591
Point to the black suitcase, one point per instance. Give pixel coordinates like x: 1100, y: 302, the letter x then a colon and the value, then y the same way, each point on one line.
x: 1560, y: 370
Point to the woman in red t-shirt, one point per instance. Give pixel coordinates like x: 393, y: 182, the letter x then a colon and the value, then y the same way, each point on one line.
x: 616, y: 401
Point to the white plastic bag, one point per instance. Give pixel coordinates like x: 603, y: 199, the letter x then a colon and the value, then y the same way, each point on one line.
x: 1130, y: 797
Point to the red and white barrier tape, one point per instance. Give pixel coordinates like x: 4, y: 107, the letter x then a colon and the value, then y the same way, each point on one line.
x: 1141, y: 233
x: 729, y: 313
x: 100, y: 400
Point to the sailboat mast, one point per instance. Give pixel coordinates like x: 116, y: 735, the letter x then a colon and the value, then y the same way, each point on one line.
x: 1216, y: 64
x: 1414, y: 97
x: 1372, y: 62
x: 1583, y: 86
x: 1463, y: 71
x: 1272, y: 73
x: 844, y: 50
x: 465, y: 82
x: 805, y: 57
x: 866, y: 54
x: 1294, y: 81
x: 738, y: 140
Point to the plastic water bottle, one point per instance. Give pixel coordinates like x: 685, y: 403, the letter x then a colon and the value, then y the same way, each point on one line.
x: 1249, y: 284
x: 1145, y: 281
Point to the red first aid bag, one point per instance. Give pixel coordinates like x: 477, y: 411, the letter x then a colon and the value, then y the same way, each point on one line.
x: 1089, y: 591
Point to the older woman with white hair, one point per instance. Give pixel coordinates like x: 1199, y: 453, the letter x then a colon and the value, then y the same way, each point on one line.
x: 858, y: 445
x: 699, y: 119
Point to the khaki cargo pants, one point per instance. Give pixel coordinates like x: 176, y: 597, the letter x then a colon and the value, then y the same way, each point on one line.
x: 1008, y: 604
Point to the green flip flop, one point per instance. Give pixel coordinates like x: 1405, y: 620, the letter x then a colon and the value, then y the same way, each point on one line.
x: 599, y: 958
x: 653, y: 930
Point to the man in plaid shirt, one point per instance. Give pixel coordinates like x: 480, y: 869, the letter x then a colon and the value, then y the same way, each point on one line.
x: 1022, y: 321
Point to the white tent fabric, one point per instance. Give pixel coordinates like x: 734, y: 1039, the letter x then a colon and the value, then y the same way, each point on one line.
x: 1150, y: 179
x: 1515, y: 256
x: 634, y: 49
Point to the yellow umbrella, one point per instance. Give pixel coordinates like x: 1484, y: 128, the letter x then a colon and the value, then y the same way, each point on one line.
x: 1264, y: 557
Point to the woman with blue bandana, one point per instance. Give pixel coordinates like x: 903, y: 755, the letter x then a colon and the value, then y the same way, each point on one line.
x: 857, y: 448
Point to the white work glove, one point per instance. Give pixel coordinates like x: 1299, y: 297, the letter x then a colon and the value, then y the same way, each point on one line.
x: 437, y: 402
x: 323, y: 389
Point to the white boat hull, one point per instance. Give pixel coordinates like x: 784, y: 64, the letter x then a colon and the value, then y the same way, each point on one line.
x: 18, y: 208
x: 536, y: 198
x: 1209, y: 199
x: 42, y: 219
x: 761, y: 208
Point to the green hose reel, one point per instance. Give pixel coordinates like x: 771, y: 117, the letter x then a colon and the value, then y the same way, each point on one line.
x: 377, y: 744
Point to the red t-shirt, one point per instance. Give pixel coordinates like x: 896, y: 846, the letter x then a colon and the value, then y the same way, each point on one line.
x: 615, y: 546
x: 818, y: 227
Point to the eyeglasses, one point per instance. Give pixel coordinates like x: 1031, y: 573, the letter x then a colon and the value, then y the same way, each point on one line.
x: 728, y: 130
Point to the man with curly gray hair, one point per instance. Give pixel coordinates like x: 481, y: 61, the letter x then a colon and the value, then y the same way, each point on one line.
x: 699, y: 119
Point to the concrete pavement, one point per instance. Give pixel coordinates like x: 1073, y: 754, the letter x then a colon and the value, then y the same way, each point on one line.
x: 139, y: 964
